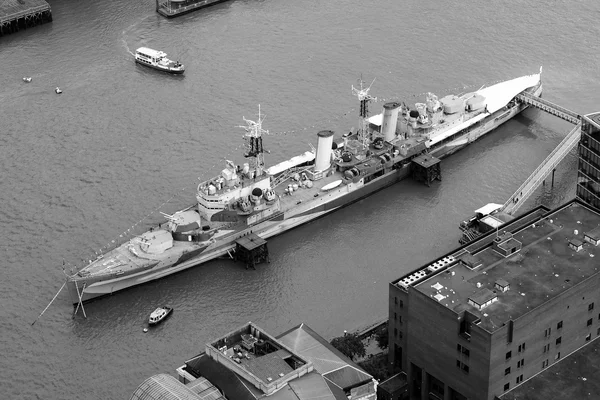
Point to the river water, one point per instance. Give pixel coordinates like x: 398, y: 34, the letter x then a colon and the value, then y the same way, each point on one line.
x: 123, y: 143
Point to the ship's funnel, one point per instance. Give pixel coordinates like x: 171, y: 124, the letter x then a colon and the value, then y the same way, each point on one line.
x: 323, y: 156
x: 390, y: 120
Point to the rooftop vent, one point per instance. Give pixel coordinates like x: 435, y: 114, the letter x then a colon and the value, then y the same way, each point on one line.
x: 281, y: 374
x: 269, y: 379
x: 482, y: 298
x: 439, y: 297
x: 575, y: 244
x: 502, y: 285
x: 593, y: 236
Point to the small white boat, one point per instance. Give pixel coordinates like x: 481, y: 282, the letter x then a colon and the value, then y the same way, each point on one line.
x: 158, y: 60
x: 27, y: 79
x: 331, y: 185
x: 57, y: 90
x: 159, y: 315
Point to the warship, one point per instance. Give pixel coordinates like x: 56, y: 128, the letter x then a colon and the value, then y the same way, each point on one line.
x: 251, y: 198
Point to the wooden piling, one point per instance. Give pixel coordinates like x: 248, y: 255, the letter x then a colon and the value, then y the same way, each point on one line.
x: 16, y: 15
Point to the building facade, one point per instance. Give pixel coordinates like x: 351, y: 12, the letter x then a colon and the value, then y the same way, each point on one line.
x: 479, y: 321
x: 588, y: 175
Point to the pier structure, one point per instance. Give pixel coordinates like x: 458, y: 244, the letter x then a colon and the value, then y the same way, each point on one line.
x: 175, y: 8
x: 426, y: 168
x: 16, y: 15
x: 548, y: 166
x: 252, y: 250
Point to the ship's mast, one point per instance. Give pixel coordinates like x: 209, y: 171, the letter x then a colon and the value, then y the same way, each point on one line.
x: 363, y: 97
x: 254, y: 145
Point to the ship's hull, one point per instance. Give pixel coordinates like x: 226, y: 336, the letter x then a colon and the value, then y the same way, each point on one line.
x: 163, y: 69
x: 301, y: 214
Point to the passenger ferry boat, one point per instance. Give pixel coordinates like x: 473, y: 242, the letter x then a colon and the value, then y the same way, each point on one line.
x: 158, y: 60
x: 266, y: 201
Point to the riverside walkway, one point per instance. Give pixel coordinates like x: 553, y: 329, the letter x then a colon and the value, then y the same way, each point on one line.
x: 554, y: 158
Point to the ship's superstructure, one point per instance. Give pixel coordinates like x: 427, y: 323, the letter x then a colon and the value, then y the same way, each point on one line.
x: 266, y: 201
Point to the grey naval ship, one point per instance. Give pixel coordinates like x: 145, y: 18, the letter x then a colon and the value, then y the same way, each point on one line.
x: 266, y: 201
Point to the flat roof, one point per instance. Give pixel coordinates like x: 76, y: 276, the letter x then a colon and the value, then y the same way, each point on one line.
x: 426, y: 160
x: 150, y: 52
x: 251, y: 241
x: 544, y: 268
x: 572, y: 377
x: 594, y: 117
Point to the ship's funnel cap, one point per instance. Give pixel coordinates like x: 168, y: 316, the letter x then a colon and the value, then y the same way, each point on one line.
x: 325, y: 134
x: 391, y: 105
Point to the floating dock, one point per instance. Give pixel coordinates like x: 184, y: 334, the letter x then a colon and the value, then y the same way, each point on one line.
x: 175, y: 8
x: 16, y: 15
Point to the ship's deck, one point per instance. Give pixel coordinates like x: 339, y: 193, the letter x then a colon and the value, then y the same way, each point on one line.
x: 305, y: 194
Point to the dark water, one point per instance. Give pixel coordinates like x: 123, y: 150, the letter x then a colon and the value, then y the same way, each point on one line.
x: 123, y: 143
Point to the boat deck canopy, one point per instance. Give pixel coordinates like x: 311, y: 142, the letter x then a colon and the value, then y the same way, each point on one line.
x: 488, y: 209
x: 150, y: 52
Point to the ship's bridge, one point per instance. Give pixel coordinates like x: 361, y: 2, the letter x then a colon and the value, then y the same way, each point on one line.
x: 215, y: 194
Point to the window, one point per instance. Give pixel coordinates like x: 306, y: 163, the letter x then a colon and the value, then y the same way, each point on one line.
x: 400, y: 336
x: 589, y: 322
x: 519, y: 379
x: 395, y: 317
x: 521, y: 363
x: 463, y: 350
x: 508, y: 355
x: 547, y: 348
x: 396, y: 300
x: 588, y: 337
x: 557, y: 356
x: 590, y: 306
x: 559, y: 325
x: 400, y: 319
x: 547, y: 332
x: 558, y: 340
x: 401, y: 304
x: 521, y: 347
x: 598, y: 332
x: 462, y: 366
x: 545, y: 364
x: 506, y: 386
x: 396, y: 332
x: 507, y: 371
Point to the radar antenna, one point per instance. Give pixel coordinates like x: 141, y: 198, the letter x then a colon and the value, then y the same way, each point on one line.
x: 363, y: 97
x: 254, y: 145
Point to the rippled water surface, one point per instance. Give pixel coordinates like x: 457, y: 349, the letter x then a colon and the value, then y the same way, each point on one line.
x: 124, y: 142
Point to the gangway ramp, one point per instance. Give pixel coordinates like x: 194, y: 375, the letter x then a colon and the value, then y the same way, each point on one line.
x: 542, y: 171
x: 548, y: 107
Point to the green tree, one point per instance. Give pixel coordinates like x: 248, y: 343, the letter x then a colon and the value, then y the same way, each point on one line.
x: 382, y: 338
x: 350, y: 345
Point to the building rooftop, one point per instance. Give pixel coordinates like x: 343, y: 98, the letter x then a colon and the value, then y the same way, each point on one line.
x: 573, y: 377
x: 301, y: 365
x: 594, y: 117
x: 532, y: 256
x: 394, y: 383
x: 166, y: 387
x: 258, y: 357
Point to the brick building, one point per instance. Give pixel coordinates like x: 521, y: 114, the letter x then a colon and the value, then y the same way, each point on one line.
x: 588, y: 176
x: 479, y: 321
